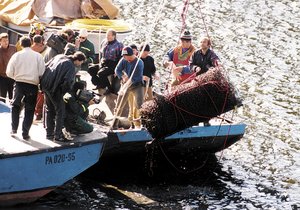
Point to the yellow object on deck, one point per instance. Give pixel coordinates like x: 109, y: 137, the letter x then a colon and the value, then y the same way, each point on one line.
x: 100, y: 24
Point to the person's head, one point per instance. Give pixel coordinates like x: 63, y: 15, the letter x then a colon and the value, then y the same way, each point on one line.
x: 70, y: 33
x: 63, y: 35
x: 135, y: 49
x: 111, y: 35
x: 205, y: 43
x: 4, y: 42
x: 186, y: 39
x: 145, y: 49
x: 38, y: 39
x: 80, y: 85
x: 127, y: 53
x: 78, y: 58
x: 25, y: 41
x: 83, y: 34
x: 37, y: 29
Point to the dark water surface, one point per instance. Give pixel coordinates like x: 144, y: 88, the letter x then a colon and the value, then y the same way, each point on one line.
x: 258, y: 42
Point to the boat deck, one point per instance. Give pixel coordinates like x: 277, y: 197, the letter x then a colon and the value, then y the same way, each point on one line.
x: 15, y: 144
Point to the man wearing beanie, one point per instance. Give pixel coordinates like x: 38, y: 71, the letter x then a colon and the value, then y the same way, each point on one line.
x: 177, y: 59
x: 130, y: 71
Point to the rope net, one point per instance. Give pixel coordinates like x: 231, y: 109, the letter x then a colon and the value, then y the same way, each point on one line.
x: 207, y: 96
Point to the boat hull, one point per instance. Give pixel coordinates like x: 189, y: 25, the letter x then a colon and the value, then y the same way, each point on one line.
x: 27, y: 177
x: 209, y: 139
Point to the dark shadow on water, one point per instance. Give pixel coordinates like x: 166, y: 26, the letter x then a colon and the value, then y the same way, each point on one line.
x: 123, y: 181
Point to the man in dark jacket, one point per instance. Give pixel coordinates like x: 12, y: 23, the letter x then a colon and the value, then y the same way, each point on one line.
x: 84, y: 45
x: 109, y: 56
x: 57, y: 80
x: 203, y: 58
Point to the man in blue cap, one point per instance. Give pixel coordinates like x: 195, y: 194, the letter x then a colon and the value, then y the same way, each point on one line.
x: 130, y: 71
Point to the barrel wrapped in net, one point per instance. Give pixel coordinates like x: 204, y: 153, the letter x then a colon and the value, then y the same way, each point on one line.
x: 207, y: 96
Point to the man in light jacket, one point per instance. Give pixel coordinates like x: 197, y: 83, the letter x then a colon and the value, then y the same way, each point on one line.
x: 25, y: 67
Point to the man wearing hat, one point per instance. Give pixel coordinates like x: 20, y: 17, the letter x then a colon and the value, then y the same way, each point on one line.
x: 85, y: 46
x: 130, y: 71
x: 178, y: 58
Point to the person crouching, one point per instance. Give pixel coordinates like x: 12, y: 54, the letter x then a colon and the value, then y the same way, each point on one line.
x: 77, y: 111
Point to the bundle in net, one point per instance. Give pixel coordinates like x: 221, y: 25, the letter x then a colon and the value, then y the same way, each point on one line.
x: 207, y: 96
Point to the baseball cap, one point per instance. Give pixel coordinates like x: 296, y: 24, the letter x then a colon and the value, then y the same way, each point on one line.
x: 127, y: 51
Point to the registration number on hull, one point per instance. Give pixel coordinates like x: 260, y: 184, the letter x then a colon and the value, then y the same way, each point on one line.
x: 60, y: 158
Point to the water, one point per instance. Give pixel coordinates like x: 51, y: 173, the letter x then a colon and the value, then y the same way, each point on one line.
x: 258, y: 42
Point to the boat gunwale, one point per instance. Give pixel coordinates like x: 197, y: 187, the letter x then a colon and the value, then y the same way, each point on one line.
x: 63, y: 146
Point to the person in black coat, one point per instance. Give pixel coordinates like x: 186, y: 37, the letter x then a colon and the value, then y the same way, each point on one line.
x: 203, y: 58
x: 57, y: 80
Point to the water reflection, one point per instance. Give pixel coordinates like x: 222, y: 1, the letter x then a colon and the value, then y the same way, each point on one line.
x: 258, y: 42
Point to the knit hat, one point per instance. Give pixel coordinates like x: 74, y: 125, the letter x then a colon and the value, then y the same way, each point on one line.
x: 127, y: 51
x: 186, y: 35
x: 83, y: 32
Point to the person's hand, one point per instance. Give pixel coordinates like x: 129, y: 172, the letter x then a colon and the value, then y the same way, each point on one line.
x: 177, y: 71
x: 77, y: 43
x: 91, y: 102
x: 168, y: 64
x: 197, y: 69
x: 145, y: 78
x: 125, y: 78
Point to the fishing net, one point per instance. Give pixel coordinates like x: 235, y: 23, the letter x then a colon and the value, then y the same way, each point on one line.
x: 207, y: 96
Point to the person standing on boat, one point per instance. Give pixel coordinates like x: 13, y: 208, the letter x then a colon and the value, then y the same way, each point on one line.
x: 203, y: 58
x: 132, y: 110
x: 39, y: 46
x: 178, y: 58
x: 109, y: 56
x: 84, y: 45
x: 130, y: 70
x: 149, y: 70
x: 25, y: 67
x: 57, y: 80
x: 6, y: 83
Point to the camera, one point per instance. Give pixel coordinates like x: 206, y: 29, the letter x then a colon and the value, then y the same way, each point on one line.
x: 86, y: 96
x: 57, y: 42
